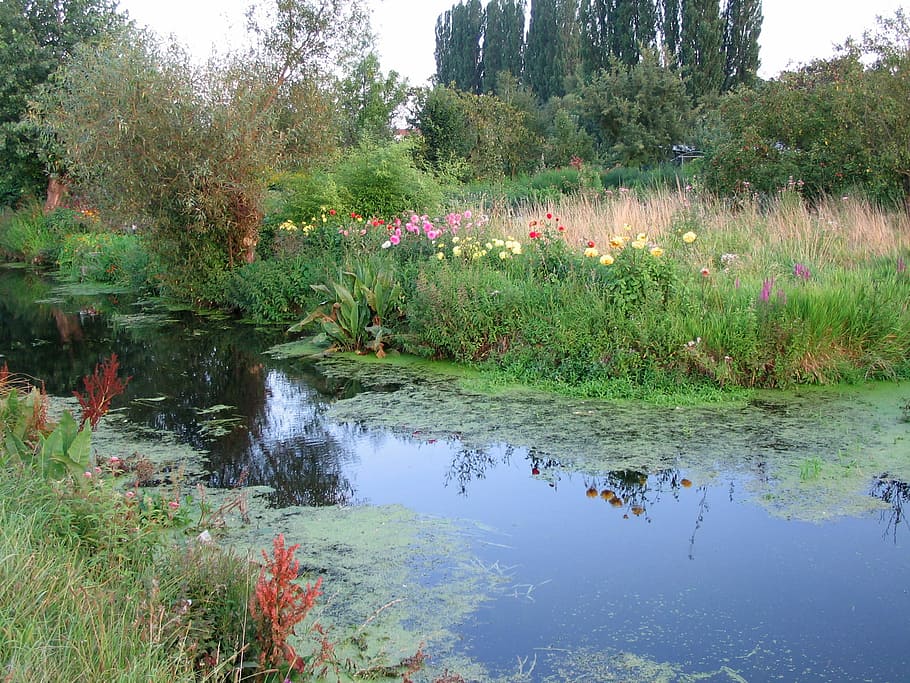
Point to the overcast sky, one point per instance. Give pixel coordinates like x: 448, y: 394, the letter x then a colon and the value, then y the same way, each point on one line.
x: 794, y: 31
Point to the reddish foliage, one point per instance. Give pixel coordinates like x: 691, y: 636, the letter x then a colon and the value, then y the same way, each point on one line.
x: 100, y: 388
x: 279, y: 604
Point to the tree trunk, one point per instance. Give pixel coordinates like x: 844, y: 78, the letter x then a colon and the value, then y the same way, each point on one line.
x: 56, y: 191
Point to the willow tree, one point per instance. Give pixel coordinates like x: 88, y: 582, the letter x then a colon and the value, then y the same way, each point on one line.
x: 184, y: 151
x: 36, y: 37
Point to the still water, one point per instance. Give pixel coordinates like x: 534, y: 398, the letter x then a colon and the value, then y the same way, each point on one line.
x: 764, y: 541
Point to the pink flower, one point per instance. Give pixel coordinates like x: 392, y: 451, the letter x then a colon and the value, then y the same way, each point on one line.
x: 467, y: 215
x: 130, y: 495
x: 173, y: 505
x: 88, y: 475
x: 394, y: 239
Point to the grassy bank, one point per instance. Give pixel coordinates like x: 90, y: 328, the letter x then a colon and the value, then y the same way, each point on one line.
x: 617, y: 294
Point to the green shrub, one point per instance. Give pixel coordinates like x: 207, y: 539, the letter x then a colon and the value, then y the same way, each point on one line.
x: 117, y: 258
x: 383, y: 181
x: 275, y: 291
x: 31, y: 235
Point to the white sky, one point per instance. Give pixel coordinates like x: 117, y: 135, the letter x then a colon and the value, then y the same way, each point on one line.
x: 794, y: 31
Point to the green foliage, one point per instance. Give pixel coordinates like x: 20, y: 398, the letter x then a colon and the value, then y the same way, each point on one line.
x: 367, y: 102
x: 487, y: 135
x: 503, y: 42
x: 701, y: 56
x: 551, y: 48
x: 116, y: 258
x: 637, y: 279
x: 813, y: 127
x: 363, y: 303
x: 184, y: 151
x: 383, y: 181
x: 302, y: 197
x: 459, y: 32
x: 637, y: 112
x: 273, y: 291
x: 463, y: 312
x: 36, y: 37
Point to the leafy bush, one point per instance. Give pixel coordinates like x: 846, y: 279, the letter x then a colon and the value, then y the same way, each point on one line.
x: 383, y: 181
x: 31, y: 235
x: 118, y: 258
x: 275, y: 291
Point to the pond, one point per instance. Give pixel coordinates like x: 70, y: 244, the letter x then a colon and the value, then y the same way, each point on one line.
x: 522, y: 536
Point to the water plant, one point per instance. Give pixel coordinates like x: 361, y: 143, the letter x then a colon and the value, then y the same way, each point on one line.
x: 362, y: 304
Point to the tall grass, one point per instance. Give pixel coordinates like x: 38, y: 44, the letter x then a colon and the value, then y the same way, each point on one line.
x: 63, y: 616
x: 768, y: 294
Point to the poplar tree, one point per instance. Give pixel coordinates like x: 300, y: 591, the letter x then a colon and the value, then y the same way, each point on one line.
x: 701, y: 47
x: 458, y: 35
x: 552, y: 46
x: 635, y: 29
x: 742, y: 26
x: 445, y: 58
x: 503, y: 41
x: 670, y: 21
x: 595, y: 34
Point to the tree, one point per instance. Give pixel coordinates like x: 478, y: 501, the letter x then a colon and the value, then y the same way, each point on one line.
x: 596, y: 31
x: 634, y: 29
x: 37, y: 36
x: 670, y: 20
x: 186, y: 151
x: 503, y: 41
x: 742, y: 26
x: 367, y: 101
x: 638, y: 112
x: 552, y: 46
x: 701, y: 47
x: 458, y: 36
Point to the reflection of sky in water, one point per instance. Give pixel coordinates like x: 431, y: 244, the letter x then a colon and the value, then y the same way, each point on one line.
x: 705, y: 577
x: 768, y: 597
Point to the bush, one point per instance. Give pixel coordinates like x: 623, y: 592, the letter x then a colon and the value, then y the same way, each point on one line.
x: 276, y: 291
x: 31, y: 235
x: 383, y: 181
x: 116, y: 258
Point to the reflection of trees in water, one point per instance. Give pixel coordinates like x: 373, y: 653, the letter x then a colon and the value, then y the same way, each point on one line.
x: 470, y: 464
x: 896, y: 494
x: 288, y: 445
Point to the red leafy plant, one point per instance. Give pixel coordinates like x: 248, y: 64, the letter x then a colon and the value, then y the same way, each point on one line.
x: 279, y: 604
x: 100, y: 388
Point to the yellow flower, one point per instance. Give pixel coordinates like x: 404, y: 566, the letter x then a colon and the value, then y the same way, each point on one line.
x: 657, y: 252
x: 591, y: 252
x: 488, y: 245
x: 456, y: 251
x: 689, y: 237
x: 642, y: 237
x: 440, y: 256
x: 639, y: 244
x: 606, y: 260
x: 498, y: 243
x: 503, y: 255
x: 617, y: 241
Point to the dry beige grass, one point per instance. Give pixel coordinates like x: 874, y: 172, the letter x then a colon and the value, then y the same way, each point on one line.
x: 844, y: 231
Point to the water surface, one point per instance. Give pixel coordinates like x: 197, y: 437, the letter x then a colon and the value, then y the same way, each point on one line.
x: 757, y: 541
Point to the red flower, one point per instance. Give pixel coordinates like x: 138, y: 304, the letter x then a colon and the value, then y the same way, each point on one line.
x: 534, y: 235
x: 561, y: 228
x: 590, y: 244
x: 331, y: 212
x: 549, y: 216
x: 535, y: 471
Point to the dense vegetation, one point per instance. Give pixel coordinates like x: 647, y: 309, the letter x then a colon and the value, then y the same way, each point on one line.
x: 532, y: 226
